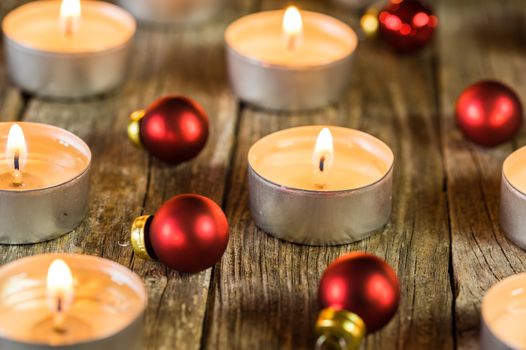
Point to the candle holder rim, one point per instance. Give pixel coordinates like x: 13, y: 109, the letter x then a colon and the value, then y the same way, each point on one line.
x: 128, y: 273
x: 493, y: 289
x: 35, y: 50
x: 508, y: 159
x: 332, y: 193
x: 508, y: 182
x: 277, y: 66
x: 288, y: 68
x: 84, y: 145
x: 53, y: 54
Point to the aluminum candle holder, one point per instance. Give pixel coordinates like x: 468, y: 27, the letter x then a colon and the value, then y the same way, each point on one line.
x: 106, y: 313
x: 503, y: 315
x: 265, y: 74
x: 513, y: 197
x: 320, y: 217
x: 172, y: 12
x: 50, y: 66
x: 53, y: 199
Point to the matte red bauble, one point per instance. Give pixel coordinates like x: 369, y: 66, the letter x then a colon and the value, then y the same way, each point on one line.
x: 407, y: 25
x: 189, y: 233
x: 364, y: 285
x: 489, y: 113
x: 173, y: 129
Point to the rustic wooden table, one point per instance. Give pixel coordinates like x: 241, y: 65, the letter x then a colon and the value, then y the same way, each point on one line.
x: 443, y: 239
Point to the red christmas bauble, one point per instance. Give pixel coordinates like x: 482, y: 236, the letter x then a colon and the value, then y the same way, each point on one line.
x: 362, y: 284
x: 407, y: 25
x: 489, y: 113
x: 189, y: 233
x: 174, y: 129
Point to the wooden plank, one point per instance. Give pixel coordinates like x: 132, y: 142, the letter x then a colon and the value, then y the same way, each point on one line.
x: 11, y: 101
x: 264, y: 291
x: 126, y: 182
x: 474, y: 45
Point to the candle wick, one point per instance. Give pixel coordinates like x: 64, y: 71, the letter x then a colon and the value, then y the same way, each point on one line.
x: 321, y: 167
x: 17, y: 174
x: 322, y: 164
x: 17, y: 160
x: 68, y: 27
x: 291, y: 42
x: 59, y: 305
x: 58, y: 320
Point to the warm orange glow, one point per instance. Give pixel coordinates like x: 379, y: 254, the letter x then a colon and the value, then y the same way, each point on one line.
x: 59, y: 290
x: 70, y: 12
x: 16, y: 150
x: 292, y: 27
x: 323, y: 155
x: 369, y: 23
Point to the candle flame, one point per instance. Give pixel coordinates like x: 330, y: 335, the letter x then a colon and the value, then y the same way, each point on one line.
x: 16, y: 151
x: 323, y: 155
x: 59, y: 291
x: 70, y: 12
x: 292, y: 27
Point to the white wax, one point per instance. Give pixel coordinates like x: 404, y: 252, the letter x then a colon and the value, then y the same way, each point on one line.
x: 55, y: 156
x: 102, y: 27
x: 285, y: 158
x: 504, y: 311
x: 107, y: 298
x: 260, y: 36
x: 514, y: 169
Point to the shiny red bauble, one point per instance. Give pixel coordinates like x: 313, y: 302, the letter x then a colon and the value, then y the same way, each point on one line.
x: 489, y: 113
x: 174, y: 129
x: 362, y: 284
x: 189, y: 233
x: 407, y: 25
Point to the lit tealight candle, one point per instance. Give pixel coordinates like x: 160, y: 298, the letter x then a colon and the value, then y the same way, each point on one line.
x: 45, y: 172
x: 66, y: 301
x: 513, y: 197
x: 503, y: 314
x: 68, y: 49
x: 289, y: 60
x: 320, y: 186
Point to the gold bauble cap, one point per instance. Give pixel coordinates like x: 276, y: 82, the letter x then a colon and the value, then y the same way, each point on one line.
x: 137, y: 237
x: 340, y: 329
x: 369, y: 22
x: 134, y: 130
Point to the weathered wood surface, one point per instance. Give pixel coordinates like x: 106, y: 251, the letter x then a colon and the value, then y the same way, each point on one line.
x: 473, y: 45
x: 443, y: 239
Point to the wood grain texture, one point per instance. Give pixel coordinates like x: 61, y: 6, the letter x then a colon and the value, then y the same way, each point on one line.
x: 12, y: 102
x: 126, y: 182
x: 474, y: 45
x: 265, y: 290
x: 443, y: 239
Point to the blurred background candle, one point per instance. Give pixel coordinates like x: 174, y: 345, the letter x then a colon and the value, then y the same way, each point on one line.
x: 172, y: 12
x: 68, y: 49
x: 44, y: 182
x: 513, y: 197
x: 74, y: 302
x: 289, y: 60
x: 320, y: 186
x: 504, y: 315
